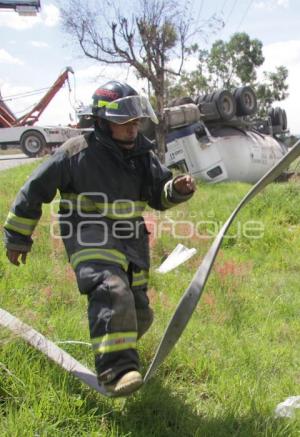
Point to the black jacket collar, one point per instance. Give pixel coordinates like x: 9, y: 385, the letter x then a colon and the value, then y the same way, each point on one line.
x: 142, y: 144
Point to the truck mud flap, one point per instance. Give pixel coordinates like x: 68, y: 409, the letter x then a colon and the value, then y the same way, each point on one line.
x: 193, y: 293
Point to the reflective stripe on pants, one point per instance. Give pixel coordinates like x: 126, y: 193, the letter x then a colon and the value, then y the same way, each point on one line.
x: 115, y: 317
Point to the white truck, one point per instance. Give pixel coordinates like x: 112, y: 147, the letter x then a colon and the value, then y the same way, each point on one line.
x: 216, y: 136
x: 215, y: 140
x: 35, y: 140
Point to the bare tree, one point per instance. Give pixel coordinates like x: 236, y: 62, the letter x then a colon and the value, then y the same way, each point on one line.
x: 147, y: 39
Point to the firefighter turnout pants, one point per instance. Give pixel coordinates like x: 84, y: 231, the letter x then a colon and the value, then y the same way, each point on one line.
x: 118, y: 314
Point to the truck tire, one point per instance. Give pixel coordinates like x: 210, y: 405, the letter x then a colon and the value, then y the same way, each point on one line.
x: 271, y: 116
x: 208, y: 111
x: 209, y: 96
x: 246, y: 103
x: 178, y: 101
x: 200, y: 98
x: 32, y: 143
x: 225, y: 104
x: 276, y: 116
x: 284, y: 120
x: 86, y: 122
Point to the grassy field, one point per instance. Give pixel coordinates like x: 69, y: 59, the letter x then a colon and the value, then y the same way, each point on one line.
x: 237, y: 359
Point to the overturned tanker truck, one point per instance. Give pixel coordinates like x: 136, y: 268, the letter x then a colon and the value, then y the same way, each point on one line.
x: 217, y: 137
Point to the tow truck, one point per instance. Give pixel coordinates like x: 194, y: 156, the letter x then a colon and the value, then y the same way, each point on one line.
x: 22, y: 132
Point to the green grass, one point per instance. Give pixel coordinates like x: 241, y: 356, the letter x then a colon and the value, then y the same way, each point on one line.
x: 237, y: 359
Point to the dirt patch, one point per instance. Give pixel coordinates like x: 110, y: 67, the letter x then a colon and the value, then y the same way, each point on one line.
x: 209, y: 300
x: 295, y: 177
x: 70, y: 275
x: 156, y: 297
x: 153, y: 296
x: 151, y: 225
x: 47, y: 292
x: 164, y: 300
x: 231, y: 268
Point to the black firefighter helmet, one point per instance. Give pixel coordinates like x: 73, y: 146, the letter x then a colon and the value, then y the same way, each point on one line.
x: 118, y: 102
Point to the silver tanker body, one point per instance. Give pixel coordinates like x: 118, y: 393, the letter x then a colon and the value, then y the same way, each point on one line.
x: 223, y: 153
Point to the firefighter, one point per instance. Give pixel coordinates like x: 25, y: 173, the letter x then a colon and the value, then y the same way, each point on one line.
x: 105, y: 178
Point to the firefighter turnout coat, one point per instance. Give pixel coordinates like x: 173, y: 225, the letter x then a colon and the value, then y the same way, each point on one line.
x: 103, y: 193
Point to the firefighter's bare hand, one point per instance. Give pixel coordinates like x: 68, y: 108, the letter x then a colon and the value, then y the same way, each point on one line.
x: 15, y: 256
x: 185, y: 184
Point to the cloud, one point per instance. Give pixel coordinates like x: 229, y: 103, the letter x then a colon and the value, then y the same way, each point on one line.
x: 49, y: 16
x: 101, y: 71
x: 97, y: 75
x: 282, y: 53
x: 191, y: 63
x: 14, y: 21
x: 271, y: 4
x: 39, y: 44
x: 283, y: 3
x: 91, y: 72
x: 6, y: 58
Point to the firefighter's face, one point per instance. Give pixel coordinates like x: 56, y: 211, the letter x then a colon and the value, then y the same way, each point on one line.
x: 125, y: 132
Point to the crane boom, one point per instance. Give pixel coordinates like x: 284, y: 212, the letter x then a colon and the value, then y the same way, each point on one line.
x: 31, y: 117
x: 8, y: 119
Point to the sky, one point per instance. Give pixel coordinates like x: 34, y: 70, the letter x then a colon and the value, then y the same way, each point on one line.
x: 35, y: 50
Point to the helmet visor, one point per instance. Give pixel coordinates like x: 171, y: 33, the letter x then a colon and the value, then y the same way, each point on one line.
x: 126, y: 109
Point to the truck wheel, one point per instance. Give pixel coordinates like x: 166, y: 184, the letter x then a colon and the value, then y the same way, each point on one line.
x: 178, y: 101
x: 225, y: 104
x: 86, y: 122
x: 284, y: 120
x: 199, y: 98
x: 246, y: 103
x: 209, y: 96
x: 277, y: 117
x: 271, y: 115
x: 32, y: 143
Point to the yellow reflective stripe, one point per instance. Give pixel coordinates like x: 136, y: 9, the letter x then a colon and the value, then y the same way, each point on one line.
x: 116, y: 347
x: 111, y: 255
x: 85, y: 203
x: 115, y: 210
x: 140, y: 278
x: 139, y: 283
x: 17, y: 229
x: 116, y: 341
x: 124, y: 215
x: 119, y: 210
x: 110, y: 105
x: 166, y: 203
x: 22, y: 225
x: 131, y: 205
x: 24, y: 220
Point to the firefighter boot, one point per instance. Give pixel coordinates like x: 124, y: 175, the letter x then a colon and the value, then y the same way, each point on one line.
x: 126, y: 384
